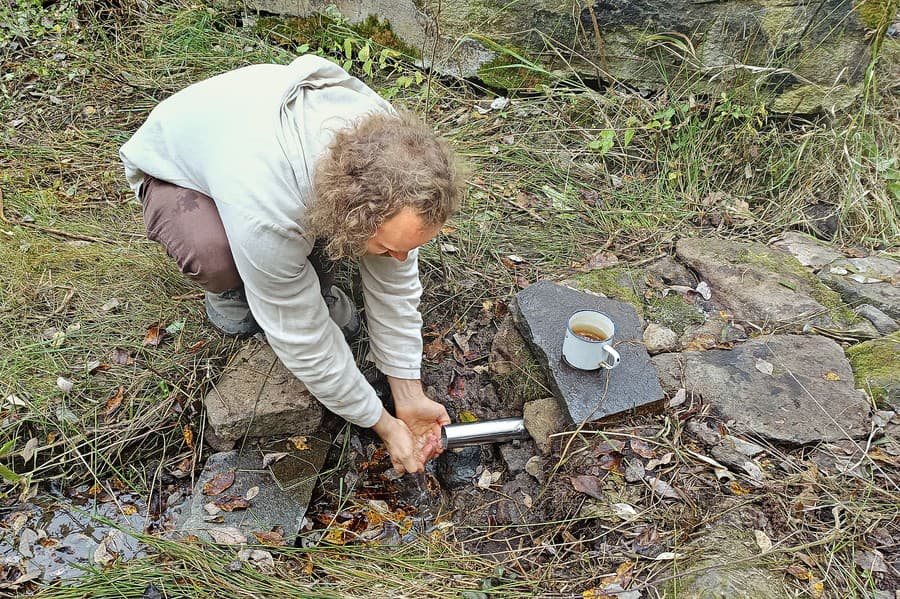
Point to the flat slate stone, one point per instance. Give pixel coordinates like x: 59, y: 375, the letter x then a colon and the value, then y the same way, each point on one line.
x: 873, y: 280
x: 787, y: 388
x: 285, y: 488
x: 542, y: 310
x: 258, y: 397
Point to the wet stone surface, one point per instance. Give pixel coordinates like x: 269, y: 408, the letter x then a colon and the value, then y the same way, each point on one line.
x: 278, y: 493
x: 542, y: 311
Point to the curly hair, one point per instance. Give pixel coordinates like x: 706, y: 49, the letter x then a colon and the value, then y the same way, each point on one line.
x: 374, y: 169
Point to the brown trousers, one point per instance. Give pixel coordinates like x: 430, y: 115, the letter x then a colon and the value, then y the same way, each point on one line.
x: 187, y: 224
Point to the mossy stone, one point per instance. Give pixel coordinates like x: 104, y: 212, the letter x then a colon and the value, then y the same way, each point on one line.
x: 876, y: 366
x: 674, y: 312
x: 505, y: 72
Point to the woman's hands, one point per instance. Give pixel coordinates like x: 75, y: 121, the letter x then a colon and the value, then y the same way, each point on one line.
x: 414, y: 437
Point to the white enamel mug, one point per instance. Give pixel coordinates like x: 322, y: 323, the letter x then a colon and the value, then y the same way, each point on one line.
x: 588, y: 341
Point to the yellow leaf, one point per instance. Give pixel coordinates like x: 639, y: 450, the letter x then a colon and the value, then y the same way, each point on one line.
x: 466, y: 416
x: 831, y: 376
x: 129, y: 509
x: 737, y: 489
x: 816, y: 588
x: 188, y: 435
x: 299, y: 442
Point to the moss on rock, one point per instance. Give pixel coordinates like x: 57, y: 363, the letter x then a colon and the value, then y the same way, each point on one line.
x: 673, y: 312
x: 616, y: 283
x: 505, y: 72
x: 876, y: 366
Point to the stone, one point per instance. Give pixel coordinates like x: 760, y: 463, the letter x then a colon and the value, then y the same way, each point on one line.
x: 808, y: 250
x: 515, y: 455
x: 285, y: 488
x: 457, y: 468
x: 659, y: 339
x: 542, y: 310
x: 822, y: 50
x: 763, y: 285
x: 873, y: 280
x: 258, y: 397
x: 543, y: 417
x: 671, y: 272
x: 883, y: 323
x: 809, y: 395
x: 535, y: 467
x: 876, y: 365
x: 723, y: 560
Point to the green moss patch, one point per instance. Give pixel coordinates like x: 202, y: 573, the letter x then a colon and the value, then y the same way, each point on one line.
x: 673, y: 312
x: 616, y: 283
x: 506, y: 72
x: 876, y: 364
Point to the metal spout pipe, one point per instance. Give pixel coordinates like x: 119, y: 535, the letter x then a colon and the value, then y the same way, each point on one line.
x: 483, y: 432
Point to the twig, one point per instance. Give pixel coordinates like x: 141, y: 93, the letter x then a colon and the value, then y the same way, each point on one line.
x: 48, y: 229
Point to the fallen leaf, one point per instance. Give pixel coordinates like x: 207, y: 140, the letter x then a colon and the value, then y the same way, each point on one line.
x: 195, y: 347
x: 271, y: 458
x: 219, y: 483
x: 299, y: 442
x: 765, y: 367
x: 467, y: 416
x: 230, y: 503
x: 831, y: 376
x: 457, y: 388
x: 515, y: 259
x: 65, y: 385
x: 878, y: 454
x: 121, y: 356
x: 704, y: 290
x: 527, y: 501
x: 227, y: 535
x: 872, y: 561
x: 763, y: 541
x: 737, y: 489
x: 106, y: 552
x: 154, y: 335
x: 611, y: 462
x: 128, y: 509
x: 642, y: 448
x: 678, y: 398
x: 449, y: 248
x: 212, y: 509
x: 188, y: 435
x: 263, y: 560
x: 30, y: 449
x: 462, y: 341
x: 112, y: 304
x: 95, y: 366
x: 666, y: 459
x: 434, y: 351
x: 662, y: 488
x: 600, y: 259
x: 607, y: 447
x: 251, y: 493
x: 269, y: 537
x: 666, y: 556
x: 114, y: 402
x: 816, y: 588
x: 624, y: 511
x: 485, y: 480
x: 798, y: 572
x: 587, y: 484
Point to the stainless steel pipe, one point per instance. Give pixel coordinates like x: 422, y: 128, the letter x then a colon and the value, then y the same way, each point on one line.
x: 480, y: 433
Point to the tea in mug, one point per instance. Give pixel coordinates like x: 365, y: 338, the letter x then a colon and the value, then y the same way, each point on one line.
x: 590, y: 333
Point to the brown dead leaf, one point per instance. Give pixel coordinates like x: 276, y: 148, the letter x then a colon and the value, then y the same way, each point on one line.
x: 831, y: 376
x: 642, y: 448
x: 457, y: 388
x: 607, y: 447
x: 230, y: 503
x: 299, y: 442
x: 188, y: 435
x: 612, y: 462
x: 97, y: 366
x: 121, y: 356
x: 738, y: 489
x: 268, y: 537
x: 662, y: 488
x: 589, y: 485
x: 701, y: 342
x: 878, y: 454
x: 798, y: 572
x: 114, y: 402
x: 435, y: 350
x: 129, y: 509
x: 507, y: 263
x: 154, y: 335
x: 195, y: 347
x: 600, y: 259
x: 219, y: 483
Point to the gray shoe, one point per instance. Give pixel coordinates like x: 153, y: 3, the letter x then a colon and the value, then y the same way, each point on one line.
x: 342, y: 312
x: 229, y: 312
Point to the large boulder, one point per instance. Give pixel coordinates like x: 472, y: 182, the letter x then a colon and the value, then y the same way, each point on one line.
x: 802, y: 56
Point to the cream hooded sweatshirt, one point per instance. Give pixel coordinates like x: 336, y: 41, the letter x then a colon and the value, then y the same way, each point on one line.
x: 250, y: 139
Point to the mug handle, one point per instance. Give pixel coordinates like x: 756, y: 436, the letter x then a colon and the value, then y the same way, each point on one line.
x: 613, y: 357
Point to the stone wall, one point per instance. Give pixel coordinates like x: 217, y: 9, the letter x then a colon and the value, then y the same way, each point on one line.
x: 799, y: 56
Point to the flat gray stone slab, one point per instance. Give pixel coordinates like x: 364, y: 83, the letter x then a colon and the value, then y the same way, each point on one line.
x: 258, y: 397
x: 285, y: 488
x: 873, y: 280
x: 542, y: 311
x: 788, y: 388
x: 761, y: 284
